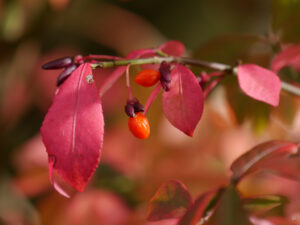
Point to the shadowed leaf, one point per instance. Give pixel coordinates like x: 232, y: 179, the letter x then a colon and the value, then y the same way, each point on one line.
x: 229, y: 210
x: 196, y: 214
x: 261, y: 156
x: 288, y: 57
x: 170, y: 201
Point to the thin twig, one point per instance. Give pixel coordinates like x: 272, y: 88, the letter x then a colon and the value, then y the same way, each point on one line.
x: 290, y: 88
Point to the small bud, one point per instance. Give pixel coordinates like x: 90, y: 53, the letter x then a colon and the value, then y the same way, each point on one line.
x: 165, y: 71
x: 58, y: 63
x: 78, y: 59
x: 129, y: 110
x: 138, y: 107
x: 65, y: 74
x: 166, y: 86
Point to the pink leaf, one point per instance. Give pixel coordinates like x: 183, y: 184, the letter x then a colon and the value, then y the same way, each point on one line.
x: 173, y: 48
x: 196, y: 212
x: 170, y: 201
x: 73, y: 129
x: 288, y: 57
x: 259, y: 83
x: 261, y: 156
x: 183, y: 104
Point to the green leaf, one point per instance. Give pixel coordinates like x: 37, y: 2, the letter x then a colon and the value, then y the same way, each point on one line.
x: 229, y: 210
x: 266, y: 205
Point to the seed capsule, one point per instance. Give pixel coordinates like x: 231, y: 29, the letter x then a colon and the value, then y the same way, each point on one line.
x: 138, y: 107
x: 129, y: 110
x: 139, y: 126
x: 165, y: 71
x: 65, y: 74
x: 147, y: 78
x: 58, y: 63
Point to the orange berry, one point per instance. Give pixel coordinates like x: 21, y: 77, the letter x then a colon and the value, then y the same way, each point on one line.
x: 147, y: 78
x: 139, y: 126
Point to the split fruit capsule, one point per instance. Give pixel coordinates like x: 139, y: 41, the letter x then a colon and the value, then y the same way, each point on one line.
x: 139, y: 126
x: 147, y: 78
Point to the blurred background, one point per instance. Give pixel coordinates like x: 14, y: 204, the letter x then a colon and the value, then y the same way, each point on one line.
x: 33, y: 32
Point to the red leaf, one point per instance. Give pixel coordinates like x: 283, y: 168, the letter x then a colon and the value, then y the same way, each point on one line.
x: 259, y: 83
x: 183, y: 104
x: 261, y: 156
x: 195, y: 213
x: 288, y: 57
x: 173, y: 48
x: 170, y: 201
x: 73, y: 129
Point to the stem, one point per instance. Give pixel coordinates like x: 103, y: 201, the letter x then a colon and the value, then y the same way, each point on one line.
x: 152, y: 96
x: 128, y: 83
x: 158, y: 60
x: 290, y: 88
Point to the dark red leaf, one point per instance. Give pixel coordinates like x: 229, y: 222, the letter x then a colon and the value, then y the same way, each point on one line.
x: 170, y: 201
x: 288, y: 57
x: 73, y: 129
x: 259, y: 83
x: 183, y: 104
x: 195, y: 214
x: 261, y: 156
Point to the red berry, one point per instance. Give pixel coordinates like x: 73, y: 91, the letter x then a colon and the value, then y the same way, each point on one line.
x: 139, y: 126
x: 147, y: 78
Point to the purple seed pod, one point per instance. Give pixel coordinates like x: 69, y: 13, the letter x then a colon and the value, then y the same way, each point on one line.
x: 165, y: 72
x: 58, y: 63
x: 129, y: 110
x: 65, y: 74
x: 138, y: 107
x: 165, y: 85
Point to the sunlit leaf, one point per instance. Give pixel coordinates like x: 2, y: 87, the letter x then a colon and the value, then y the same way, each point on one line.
x: 73, y: 129
x: 259, y: 83
x: 170, y: 201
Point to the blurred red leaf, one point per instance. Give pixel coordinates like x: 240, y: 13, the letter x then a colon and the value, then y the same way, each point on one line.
x: 259, y: 83
x: 73, y: 129
x: 96, y: 207
x: 288, y: 57
x: 170, y: 201
x: 195, y: 213
x: 272, y: 221
x: 261, y: 156
x: 183, y: 104
x: 174, y: 48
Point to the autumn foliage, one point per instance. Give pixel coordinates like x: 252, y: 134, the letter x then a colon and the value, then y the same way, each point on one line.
x: 150, y: 131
